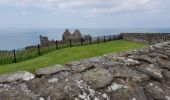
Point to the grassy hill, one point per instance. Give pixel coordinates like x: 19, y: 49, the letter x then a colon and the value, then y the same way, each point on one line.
x: 70, y: 54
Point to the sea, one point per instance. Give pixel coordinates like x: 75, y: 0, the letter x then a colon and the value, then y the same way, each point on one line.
x: 11, y: 38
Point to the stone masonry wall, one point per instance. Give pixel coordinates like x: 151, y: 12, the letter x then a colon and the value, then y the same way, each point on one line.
x: 142, y: 74
x: 150, y: 38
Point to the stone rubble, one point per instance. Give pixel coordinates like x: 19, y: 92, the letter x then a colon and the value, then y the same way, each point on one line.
x: 141, y: 74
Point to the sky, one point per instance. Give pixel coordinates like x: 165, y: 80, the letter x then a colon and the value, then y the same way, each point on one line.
x: 84, y: 14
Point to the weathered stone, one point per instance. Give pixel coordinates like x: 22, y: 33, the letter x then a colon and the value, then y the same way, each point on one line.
x: 68, y: 89
x: 162, y: 51
x: 15, y: 76
x: 40, y: 86
x: 127, y: 73
x: 166, y: 74
x: 77, y: 67
x: 158, y: 91
x: 130, y: 92
x: 16, y: 95
x: 112, y: 64
x: 155, y: 54
x: 151, y: 70
x: 58, y: 77
x: 143, y: 58
x: 128, y: 61
x: 163, y: 63
x: 93, y: 60
x: 51, y: 70
x: 98, y: 78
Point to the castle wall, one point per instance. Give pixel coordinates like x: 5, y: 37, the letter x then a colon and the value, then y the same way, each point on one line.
x: 150, y: 38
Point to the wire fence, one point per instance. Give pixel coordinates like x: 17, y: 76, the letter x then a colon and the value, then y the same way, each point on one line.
x: 14, y: 56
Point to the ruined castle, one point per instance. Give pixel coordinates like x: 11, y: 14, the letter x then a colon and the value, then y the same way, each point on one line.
x: 76, y: 37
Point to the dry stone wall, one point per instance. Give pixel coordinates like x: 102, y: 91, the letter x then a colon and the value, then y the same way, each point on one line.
x: 142, y: 74
x: 150, y: 38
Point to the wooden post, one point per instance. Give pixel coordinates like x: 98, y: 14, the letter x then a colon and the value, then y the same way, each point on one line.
x: 81, y: 41
x: 70, y: 43
x: 104, y: 38
x: 110, y: 37
x: 15, y: 60
x: 98, y: 39
x: 90, y: 40
x: 56, y: 44
x: 39, y: 50
x: 114, y: 37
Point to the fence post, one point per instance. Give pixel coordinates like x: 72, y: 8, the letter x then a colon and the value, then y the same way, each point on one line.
x: 109, y: 37
x: 90, y: 40
x: 15, y: 60
x: 81, y: 41
x: 39, y: 50
x: 56, y: 44
x: 98, y: 39
x: 70, y: 43
x: 104, y: 38
x: 114, y: 37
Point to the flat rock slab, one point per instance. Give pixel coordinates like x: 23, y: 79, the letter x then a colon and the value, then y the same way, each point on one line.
x: 16, y: 95
x: 158, y: 91
x: 63, y: 90
x: 127, y: 61
x: 163, y: 63
x: 151, y: 70
x: 155, y: 54
x: 94, y: 60
x: 128, y: 92
x: 40, y: 86
x: 98, y: 78
x: 78, y: 67
x: 15, y: 76
x: 166, y: 74
x: 127, y: 73
x: 143, y: 58
x: 51, y: 70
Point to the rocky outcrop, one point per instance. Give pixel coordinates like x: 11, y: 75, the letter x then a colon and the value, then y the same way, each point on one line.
x: 142, y: 74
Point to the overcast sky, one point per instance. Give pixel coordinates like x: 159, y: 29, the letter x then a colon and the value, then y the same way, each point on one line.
x: 84, y: 13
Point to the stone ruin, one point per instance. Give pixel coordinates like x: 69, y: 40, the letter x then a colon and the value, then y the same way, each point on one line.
x: 140, y: 74
x: 76, y: 37
x: 150, y: 38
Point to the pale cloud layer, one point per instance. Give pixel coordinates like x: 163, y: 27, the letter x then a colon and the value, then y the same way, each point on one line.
x: 84, y: 13
x: 92, y: 6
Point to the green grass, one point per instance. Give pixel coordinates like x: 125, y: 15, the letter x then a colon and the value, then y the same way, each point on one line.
x: 65, y: 55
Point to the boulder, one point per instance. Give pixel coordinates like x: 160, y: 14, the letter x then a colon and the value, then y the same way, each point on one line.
x: 51, y: 70
x: 15, y: 76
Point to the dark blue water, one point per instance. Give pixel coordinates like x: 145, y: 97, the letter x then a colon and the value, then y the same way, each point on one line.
x: 20, y: 38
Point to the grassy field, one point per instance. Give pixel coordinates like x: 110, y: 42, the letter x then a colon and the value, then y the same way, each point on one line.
x: 70, y: 54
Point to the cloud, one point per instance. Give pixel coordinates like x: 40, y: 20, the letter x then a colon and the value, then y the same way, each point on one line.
x: 92, y: 6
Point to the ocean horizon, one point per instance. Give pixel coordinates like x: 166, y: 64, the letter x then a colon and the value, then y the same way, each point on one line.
x: 20, y: 38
